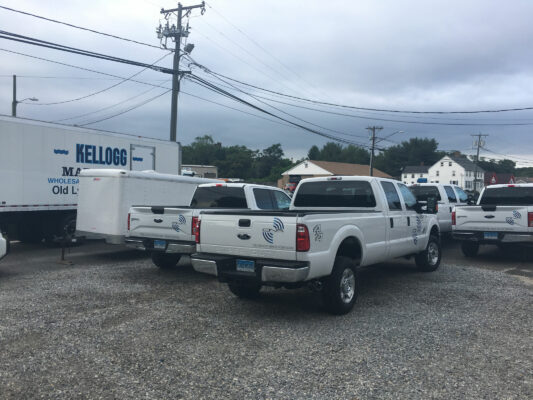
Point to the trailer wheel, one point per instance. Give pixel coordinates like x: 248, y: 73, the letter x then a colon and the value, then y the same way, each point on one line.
x: 242, y: 291
x: 470, y: 249
x: 165, y: 260
x: 341, y: 287
x: 429, y: 259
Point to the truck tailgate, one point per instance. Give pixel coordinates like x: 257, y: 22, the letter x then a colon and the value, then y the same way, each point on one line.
x: 492, y: 218
x: 161, y: 222
x: 249, y: 236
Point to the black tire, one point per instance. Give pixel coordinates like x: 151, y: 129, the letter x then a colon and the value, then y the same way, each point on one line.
x: 250, y: 291
x: 341, y: 287
x: 470, y: 249
x: 429, y: 259
x: 165, y: 260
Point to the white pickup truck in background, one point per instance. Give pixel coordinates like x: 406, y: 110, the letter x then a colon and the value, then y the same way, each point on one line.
x: 168, y: 232
x: 334, y: 225
x: 448, y: 196
x: 4, y: 246
x: 502, y: 216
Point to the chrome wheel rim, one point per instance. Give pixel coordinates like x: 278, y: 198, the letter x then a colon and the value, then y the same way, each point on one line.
x: 347, y: 285
x: 433, y: 253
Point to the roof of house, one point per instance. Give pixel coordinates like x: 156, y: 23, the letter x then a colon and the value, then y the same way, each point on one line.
x: 337, y: 168
x: 416, y: 169
x: 466, y: 163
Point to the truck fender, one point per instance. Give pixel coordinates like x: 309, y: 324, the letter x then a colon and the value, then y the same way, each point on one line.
x: 342, y: 234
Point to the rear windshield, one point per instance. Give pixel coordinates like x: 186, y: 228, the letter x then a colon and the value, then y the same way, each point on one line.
x: 219, y: 197
x: 335, y: 194
x: 423, y: 192
x: 508, y: 196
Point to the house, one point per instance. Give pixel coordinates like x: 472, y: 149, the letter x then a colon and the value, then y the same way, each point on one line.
x: 200, y: 171
x: 415, y: 174
x: 524, y: 179
x: 492, y: 178
x: 312, y: 168
x: 457, y: 170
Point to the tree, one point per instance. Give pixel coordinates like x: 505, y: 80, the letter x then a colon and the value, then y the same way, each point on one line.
x: 332, y: 151
x: 313, y: 153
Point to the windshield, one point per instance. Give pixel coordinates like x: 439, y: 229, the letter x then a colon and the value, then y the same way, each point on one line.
x: 508, y: 196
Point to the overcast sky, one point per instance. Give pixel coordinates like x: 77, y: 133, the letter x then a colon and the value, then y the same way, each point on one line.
x: 407, y: 55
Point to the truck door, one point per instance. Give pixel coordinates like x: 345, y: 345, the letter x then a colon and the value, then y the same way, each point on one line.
x: 142, y: 158
x: 415, y: 223
x: 396, y: 221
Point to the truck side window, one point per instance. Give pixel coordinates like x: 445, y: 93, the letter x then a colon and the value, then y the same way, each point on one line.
x: 281, y: 200
x: 408, y: 198
x: 392, y: 196
x: 451, y: 194
x: 463, y: 197
x: 219, y: 197
x: 263, y: 199
x: 423, y: 192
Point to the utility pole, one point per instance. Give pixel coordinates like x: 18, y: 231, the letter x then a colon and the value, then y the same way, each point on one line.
x: 479, y: 143
x: 373, y: 129
x: 14, y: 102
x: 176, y: 32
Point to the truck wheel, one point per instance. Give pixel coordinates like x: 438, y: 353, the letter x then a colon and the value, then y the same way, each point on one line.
x: 244, y: 291
x: 470, y: 249
x: 165, y: 260
x: 341, y: 287
x: 429, y: 259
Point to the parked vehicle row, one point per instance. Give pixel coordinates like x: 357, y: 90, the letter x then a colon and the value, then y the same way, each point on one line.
x: 502, y: 216
x: 333, y: 226
x: 168, y: 232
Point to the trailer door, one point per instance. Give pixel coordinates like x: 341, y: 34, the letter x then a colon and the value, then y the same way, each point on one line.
x: 142, y: 157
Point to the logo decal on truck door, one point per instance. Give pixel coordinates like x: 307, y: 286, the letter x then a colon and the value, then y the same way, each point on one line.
x: 277, y: 226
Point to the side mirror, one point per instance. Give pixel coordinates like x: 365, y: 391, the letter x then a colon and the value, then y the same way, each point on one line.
x: 432, y: 205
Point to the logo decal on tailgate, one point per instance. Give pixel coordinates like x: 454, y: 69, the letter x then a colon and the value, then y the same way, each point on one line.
x: 181, y: 221
x: 277, y: 226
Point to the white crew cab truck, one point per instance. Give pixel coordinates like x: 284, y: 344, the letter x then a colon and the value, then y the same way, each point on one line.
x: 333, y: 226
x: 168, y: 232
x: 448, y: 196
x: 502, y: 216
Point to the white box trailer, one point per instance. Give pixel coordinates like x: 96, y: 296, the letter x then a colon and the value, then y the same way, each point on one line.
x: 106, y: 195
x: 40, y: 165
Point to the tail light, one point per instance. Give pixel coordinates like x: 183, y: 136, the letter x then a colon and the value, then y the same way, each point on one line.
x: 129, y: 220
x: 453, y: 218
x: 196, y: 231
x: 302, y: 238
x: 530, y: 219
x: 193, y: 225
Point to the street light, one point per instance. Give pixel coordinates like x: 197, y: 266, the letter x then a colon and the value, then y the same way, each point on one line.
x: 15, y: 101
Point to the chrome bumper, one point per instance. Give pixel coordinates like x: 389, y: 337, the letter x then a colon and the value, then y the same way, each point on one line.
x: 172, y: 247
x: 517, y: 238
x: 285, y: 275
x: 204, y: 266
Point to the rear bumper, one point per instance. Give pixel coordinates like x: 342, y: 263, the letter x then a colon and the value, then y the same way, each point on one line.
x: 266, y: 271
x: 503, y: 237
x: 172, y: 246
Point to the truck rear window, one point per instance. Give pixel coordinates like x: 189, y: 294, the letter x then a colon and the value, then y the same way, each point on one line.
x: 335, y: 194
x: 508, y: 196
x: 219, y: 197
x: 423, y: 192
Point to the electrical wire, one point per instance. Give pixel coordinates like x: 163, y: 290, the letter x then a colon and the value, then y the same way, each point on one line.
x: 78, y: 27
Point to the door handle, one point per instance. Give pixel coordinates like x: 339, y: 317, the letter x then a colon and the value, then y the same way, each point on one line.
x: 245, y: 223
x: 408, y: 221
x: 392, y: 222
x: 158, y: 221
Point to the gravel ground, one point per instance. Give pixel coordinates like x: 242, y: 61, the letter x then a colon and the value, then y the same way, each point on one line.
x: 114, y: 326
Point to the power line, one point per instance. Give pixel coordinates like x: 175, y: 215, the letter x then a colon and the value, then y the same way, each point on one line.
x: 56, y: 46
x: 102, y: 90
x: 78, y: 27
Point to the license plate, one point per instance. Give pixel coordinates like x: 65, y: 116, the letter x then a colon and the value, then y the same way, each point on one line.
x: 245, y: 266
x: 160, y: 244
x: 490, y: 235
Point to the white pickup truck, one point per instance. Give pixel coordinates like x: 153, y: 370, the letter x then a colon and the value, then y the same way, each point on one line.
x: 168, y: 232
x: 448, y: 196
x: 502, y: 216
x: 333, y: 226
x: 4, y: 246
